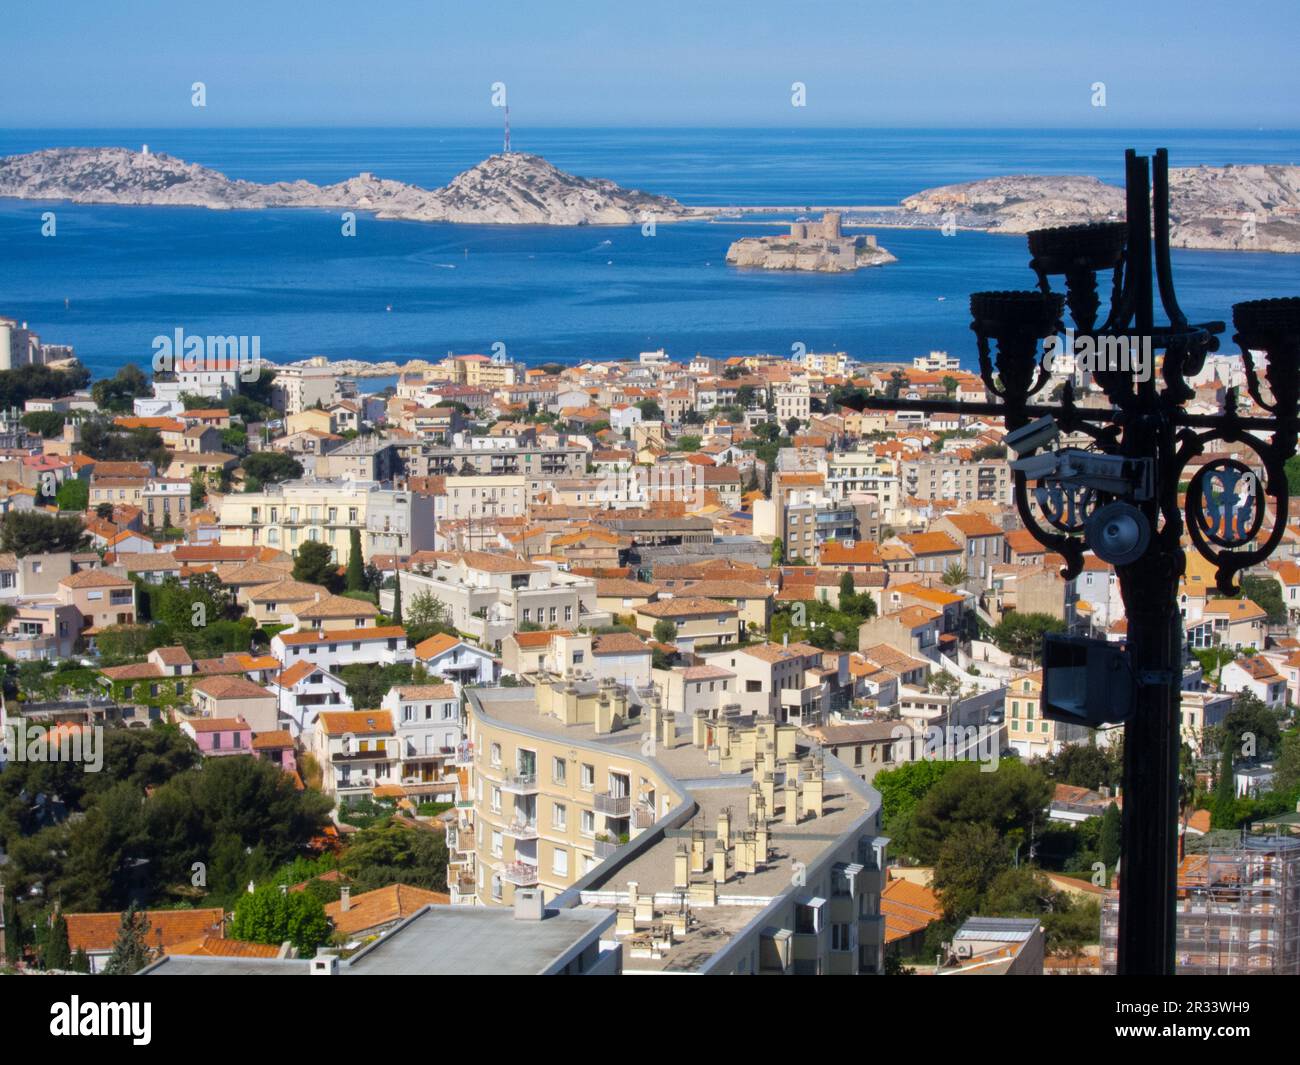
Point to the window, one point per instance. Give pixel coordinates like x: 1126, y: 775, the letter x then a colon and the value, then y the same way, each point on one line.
x: 497, y: 845
x: 494, y: 754
x: 496, y: 800
x: 588, y: 827
x: 560, y: 862
x: 559, y: 770
x: 559, y: 816
x: 588, y: 777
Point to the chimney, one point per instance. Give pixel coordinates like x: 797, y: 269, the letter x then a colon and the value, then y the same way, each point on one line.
x: 529, y: 904
x: 719, y: 862
x: 326, y: 963
x: 345, y: 899
x: 681, y: 869
x: 724, y: 828
x: 791, y: 802
x: 697, y: 852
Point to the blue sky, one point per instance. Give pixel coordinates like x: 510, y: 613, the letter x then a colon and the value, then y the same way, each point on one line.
x: 700, y: 63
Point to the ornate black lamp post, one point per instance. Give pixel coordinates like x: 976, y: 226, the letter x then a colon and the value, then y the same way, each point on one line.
x: 1119, y: 495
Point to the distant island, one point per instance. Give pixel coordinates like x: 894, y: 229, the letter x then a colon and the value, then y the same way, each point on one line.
x: 1229, y: 208
x: 821, y: 246
x: 1235, y: 208
x: 511, y: 188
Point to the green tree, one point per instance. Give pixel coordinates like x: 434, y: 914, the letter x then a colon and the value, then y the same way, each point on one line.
x: 1112, y: 835
x: 966, y: 865
x: 27, y: 532
x: 131, y: 951
x: 356, y: 575
x: 1223, y: 813
x: 665, y: 631
x: 14, y: 930
x: 397, y: 599
x: 57, y: 953
x: 778, y: 552
x: 73, y: 494
x: 48, y: 423
x: 650, y: 410
x: 314, y: 563
x: 271, y: 467
x: 271, y: 915
x: 1022, y: 634
x: 955, y: 575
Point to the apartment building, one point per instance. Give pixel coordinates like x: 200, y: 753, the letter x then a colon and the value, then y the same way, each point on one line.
x: 287, y: 515
x: 946, y: 475
x: 372, y: 645
x: 429, y: 732
x: 490, y: 595
x: 1237, y: 911
x: 791, y: 683
x: 357, y: 752
x: 1030, y: 733
x: 299, y: 387
x: 504, y: 457
x: 679, y: 841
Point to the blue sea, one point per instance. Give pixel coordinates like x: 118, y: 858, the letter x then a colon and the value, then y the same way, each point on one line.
x: 113, y: 278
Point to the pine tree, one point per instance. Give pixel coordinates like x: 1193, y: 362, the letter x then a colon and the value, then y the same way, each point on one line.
x: 131, y: 951
x: 58, y: 955
x: 356, y: 576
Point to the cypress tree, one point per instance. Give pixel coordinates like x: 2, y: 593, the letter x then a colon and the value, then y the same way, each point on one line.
x: 397, y: 598
x: 356, y: 576
x: 57, y: 953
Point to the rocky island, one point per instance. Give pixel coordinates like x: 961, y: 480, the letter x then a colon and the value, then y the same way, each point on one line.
x: 512, y: 188
x: 816, y: 246
x: 1231, y: 208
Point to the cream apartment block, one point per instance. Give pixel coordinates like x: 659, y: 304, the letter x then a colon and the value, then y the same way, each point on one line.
x: 793, y: 399
x: 429, y: 733
x: 724, y: 846
x: 299, y: 387
x: 946, y: 475
x: 285, y: 516
x: 851, y: 472
x: 357, y: 752
x: 504, y: 458
x: 490, y: 595
x: 790, y: 683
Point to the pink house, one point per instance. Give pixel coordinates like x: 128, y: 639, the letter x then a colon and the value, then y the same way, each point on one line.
x: 277, y: 748
x: 218, y: 736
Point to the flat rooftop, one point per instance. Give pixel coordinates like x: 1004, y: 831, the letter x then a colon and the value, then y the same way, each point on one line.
x: 744, y: 895
x: 476, y: 941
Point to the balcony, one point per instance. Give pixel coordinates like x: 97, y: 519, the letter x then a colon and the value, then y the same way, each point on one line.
x: 603, y: 848
x: 520, y: 784
x: 613, y: 805
x: 521, y: 829
x: 521, y: 874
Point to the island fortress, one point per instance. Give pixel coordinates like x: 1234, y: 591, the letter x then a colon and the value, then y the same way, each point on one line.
x: 820, y: 246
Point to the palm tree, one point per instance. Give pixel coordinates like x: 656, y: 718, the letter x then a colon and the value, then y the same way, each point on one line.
x: 955, y: 575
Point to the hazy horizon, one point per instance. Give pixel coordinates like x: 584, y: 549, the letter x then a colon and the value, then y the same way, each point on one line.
x: 950, y: 65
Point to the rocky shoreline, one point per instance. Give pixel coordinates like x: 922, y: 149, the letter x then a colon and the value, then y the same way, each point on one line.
x: 507, y: 189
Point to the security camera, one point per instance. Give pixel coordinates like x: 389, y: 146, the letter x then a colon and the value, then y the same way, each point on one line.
x: 1037, y: 434
x: 1038, y: 467
x: 1114, y: 474
x: 1118, y: 533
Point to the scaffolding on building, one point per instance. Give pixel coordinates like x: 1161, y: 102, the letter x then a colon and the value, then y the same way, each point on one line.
x: 1238, y: 910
